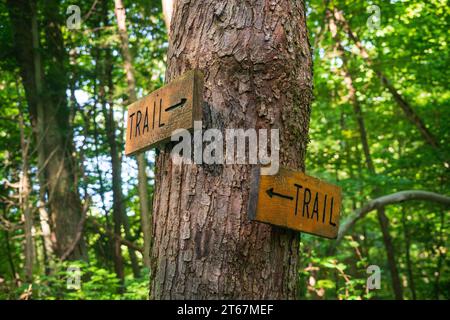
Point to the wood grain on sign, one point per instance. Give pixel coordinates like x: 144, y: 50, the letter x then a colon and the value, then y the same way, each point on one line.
x: 152, y: 119
x: 293, y: 200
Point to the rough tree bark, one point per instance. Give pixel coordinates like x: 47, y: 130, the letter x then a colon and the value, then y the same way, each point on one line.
x: 257, y: 64
x: 142, y: 162
x: 49, y: 110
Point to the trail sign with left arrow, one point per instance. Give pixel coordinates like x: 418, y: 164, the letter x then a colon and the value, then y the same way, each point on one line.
x: 294, y: 200
x: 152, y: 119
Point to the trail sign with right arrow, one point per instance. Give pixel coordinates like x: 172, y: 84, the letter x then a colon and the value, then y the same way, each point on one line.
x: 293, y: 200
x: 152, y: 119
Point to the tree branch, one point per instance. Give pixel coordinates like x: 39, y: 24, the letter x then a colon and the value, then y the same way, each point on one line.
x: 79, y: 231
x: 111, y: 233
x: 387, y: 200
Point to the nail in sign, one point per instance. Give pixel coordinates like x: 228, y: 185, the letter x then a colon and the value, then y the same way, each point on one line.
x: 152, y: 119
x: 293, y: 200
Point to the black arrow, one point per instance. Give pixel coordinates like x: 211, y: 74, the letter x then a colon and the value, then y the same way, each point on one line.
x: 178, y: 105
x: 271, y: 193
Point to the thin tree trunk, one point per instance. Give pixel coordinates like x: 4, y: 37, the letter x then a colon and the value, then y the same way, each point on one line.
x: 11, y: 260
x: 64, y: 199
x: 146, y: 213
x: 134, y: 261
x: 118, y: 204
x: 102, y: 70
x: 118, y: 259
x: 382, y: 217
x: 40, y: 131
x: 142, y: 162
x: 97, y: 143
x: 24, y: 193
x: 409, y: 266
x: 441, y: 257
x: 116, y: 187
x: 111, y: 245
x: 257, y: 68
x: 51, y: 124
x: 407, y: 235
x: 390, y: 251
x: 46, y: 232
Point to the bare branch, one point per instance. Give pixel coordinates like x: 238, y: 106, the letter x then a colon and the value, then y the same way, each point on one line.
x: 79, y: 230
x: 387, y: 200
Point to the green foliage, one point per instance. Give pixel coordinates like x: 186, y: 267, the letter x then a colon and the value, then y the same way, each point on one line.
x: 95, y: 284
x: 411, y: 49
x: 85, y: 49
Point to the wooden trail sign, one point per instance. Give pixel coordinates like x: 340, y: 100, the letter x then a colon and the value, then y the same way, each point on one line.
x: 152, y: 119
x: 293, y: 200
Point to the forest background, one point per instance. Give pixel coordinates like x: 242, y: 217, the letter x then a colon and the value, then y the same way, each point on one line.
x: 380, y: 125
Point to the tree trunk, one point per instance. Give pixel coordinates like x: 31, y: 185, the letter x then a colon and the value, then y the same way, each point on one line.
x: 117, y: 212
x: 146, y: 213
x: 9, y: 254
x: 257, y: 68
x: 142, y: 162
x: 441, y: 256
x: 120, y: 217
x: 409, y: 267
x: 24, y: 192
x: 382, y: 217
x: 116, y: 161
x: 390, y: 252
x: 39, y: 129
x: 50, y: 115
